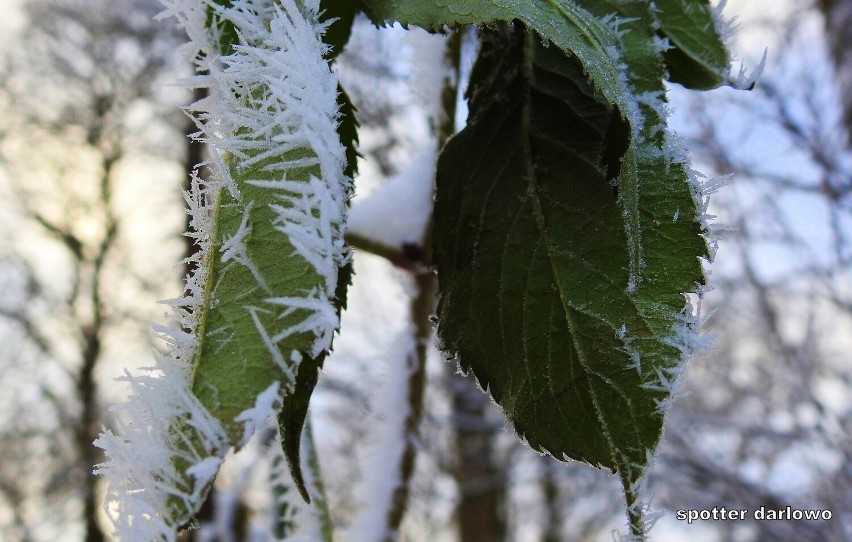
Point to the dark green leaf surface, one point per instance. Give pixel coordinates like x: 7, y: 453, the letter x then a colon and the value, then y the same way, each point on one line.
x: 532, y: 236
x: 234, y: 365
x: 337, y: 34
x: 534, y: 258
x: 698, y: 58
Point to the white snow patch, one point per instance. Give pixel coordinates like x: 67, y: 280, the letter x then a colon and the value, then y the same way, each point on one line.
x: 388, y: 441
x: 398, y: 212
x: 431, y: 70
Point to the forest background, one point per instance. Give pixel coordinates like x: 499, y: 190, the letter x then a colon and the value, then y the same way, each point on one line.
x: 92, y: 156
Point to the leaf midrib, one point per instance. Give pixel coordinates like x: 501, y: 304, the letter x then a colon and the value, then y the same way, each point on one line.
x: 535, y: 201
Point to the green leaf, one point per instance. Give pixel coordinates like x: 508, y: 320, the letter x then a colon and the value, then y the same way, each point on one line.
x: 698, y: 58
x: 294, y: 410
x: 338, y: 32
x: 234, y: 364
x: 541, y: 298
x: 260, y: 310
x: 235, y: 361
x: 635, y: 286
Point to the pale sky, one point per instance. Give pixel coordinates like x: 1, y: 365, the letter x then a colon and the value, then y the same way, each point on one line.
x: 11, y: 18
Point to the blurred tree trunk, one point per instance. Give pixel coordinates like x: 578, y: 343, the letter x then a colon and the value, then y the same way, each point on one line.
x: 550, y: 489
x: 78, y: 70
x: 91, y: 330
x: 481, y: 478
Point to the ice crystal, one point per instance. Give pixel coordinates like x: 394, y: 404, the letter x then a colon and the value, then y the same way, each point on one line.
x: 164, y: 455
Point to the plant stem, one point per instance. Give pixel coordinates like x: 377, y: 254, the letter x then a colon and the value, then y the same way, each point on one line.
x: 394, y: 255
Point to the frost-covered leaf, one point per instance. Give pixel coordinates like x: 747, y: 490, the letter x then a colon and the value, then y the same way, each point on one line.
x: 650, y: 229
x: 275, y: 296
x: 541, y: 298
x: 568, y: 24
x: 264, y: 302
x: 698, y: 57
x: 342, y: 14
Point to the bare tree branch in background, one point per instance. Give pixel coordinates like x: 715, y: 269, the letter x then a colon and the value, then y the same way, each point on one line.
x: 79, y: 80
x: 766, y: 423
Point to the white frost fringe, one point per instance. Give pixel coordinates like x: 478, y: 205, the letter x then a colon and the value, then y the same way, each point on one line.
x: 288, y: 102
x: 272, y: 96
x: 161, y: 413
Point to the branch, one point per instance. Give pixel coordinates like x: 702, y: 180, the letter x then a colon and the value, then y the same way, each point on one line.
x: 407, y: 257
x: 422, y: 308
x: 29, y: 328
